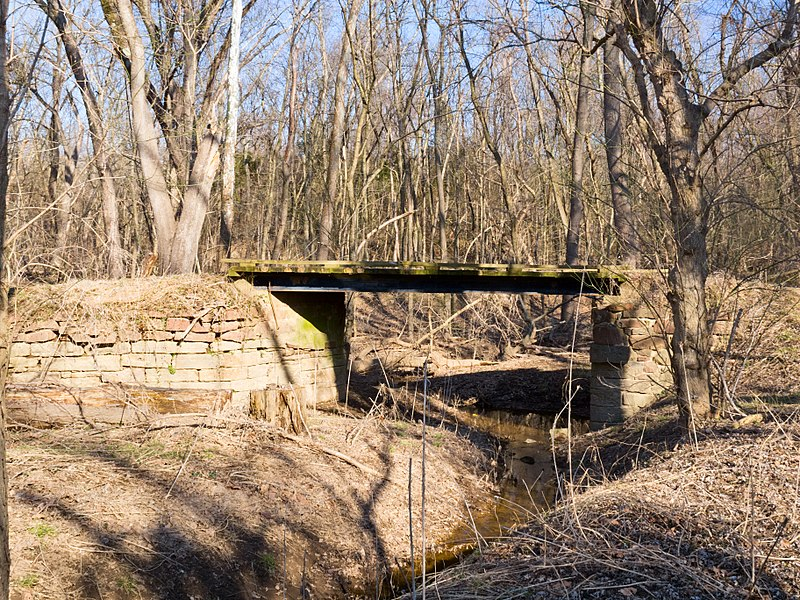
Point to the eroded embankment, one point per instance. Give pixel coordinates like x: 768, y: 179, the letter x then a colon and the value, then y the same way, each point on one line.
x: 227, y: 510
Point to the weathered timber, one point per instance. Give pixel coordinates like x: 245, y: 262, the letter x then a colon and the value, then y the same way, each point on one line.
x: 425, y: 277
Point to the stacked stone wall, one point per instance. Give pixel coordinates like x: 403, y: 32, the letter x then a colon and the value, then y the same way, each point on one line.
x: 217, y: 353
x: 630, y: 362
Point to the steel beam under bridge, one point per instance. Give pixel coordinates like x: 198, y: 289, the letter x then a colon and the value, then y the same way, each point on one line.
x: 327, y: 276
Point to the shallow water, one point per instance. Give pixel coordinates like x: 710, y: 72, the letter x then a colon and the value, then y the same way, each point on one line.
x: 528, y: 484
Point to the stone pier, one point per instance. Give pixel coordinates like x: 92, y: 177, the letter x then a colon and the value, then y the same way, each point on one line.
x: 630, y: 362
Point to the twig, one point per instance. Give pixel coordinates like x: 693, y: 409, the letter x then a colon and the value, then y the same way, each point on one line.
x: 336, y: 454
x: 183, y: 464
x: 411, y: 533
x: 778, y: 536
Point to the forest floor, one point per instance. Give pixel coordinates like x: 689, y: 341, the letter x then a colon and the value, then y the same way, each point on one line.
x: 237, y: 509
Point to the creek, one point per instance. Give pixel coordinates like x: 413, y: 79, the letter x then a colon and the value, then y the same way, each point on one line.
x: 527, y: 484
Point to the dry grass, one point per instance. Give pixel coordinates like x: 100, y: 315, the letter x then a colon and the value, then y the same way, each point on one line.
x: 125, y: 302
x: 714, y: 520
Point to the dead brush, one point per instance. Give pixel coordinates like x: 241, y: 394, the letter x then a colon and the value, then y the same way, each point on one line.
x: 716, y: 520
x: 124, y: 303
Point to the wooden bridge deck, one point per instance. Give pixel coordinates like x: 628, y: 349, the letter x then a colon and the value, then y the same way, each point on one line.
x: 424, y: 277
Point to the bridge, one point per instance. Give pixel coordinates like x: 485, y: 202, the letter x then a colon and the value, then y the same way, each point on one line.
x: 425, y: 277
x: 630, y: 364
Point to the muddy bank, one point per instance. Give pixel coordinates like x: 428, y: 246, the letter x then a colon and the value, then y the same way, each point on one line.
x: 214, y: 510
x: 715, y: 518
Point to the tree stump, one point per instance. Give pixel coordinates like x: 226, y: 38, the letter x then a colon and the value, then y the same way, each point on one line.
x: 281, y: 407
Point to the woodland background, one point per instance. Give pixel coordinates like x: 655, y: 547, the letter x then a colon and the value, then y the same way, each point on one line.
x: 479, y: 131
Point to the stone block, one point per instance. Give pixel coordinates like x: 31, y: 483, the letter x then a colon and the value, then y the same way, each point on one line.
x: 223, y: 374
x: 601, y: 416
x: 608, y: 334
x: 176, y: 374
x: 44, y: 349
x: 199, y: 327
x: 604, y: 393
x: 19, y: 349
x: 261, y: 343
x: 129, y: 335
x: 146, y: 360
x: 192, y: 348
x: 640, y: 386
x: 601, y: 353
x: 30, y: 377
x: 606, y: 370
x: 154, y: 347
x: 69, y: 349
x: 225, y: 326
x: 122, y: 348
x: 224, y: 346
x: 196, y: 337
x: 247, y: 358
x: 37, y: 325
x: 177, y: 324
x: 648, y: 342
x: 104, y: 362
x: 123, y: 376
x: 636, y: 400
x: 158, y: 335
x: 79, y: 336
x: 636, y: 331
x: 640, y: 310
x: 24, y: 363
x: 196, y: 361
x: 234, y: 314
x: 602, y: 315
x: 40, y: 335
x: 619, y: 307
x: 236, y: 335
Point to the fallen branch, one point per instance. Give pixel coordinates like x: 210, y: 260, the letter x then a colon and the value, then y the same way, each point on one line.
x: 448, y: 321
x: 341, y: 456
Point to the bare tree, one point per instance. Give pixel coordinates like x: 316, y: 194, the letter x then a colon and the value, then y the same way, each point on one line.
x: 5, y: 333
x: 178, y: 192
x: 578, y: 162
x: 613, y: 94
x: 55, y: 11
x: 336, y: 139
x: 676, y: 143
x: 231, y: 124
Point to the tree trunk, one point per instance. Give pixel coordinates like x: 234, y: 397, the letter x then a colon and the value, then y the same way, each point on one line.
x: 336, y: 140
x: 288, y: 151
x: 613, y: 91
x: 231, y: 123
x: 186, y: 240
x: 5, y: 334
x: 145, y: 135
x: 578, y: 163
x: 691, y: 342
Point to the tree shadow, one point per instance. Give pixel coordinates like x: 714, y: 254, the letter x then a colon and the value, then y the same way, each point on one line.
x: 178, y: 563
